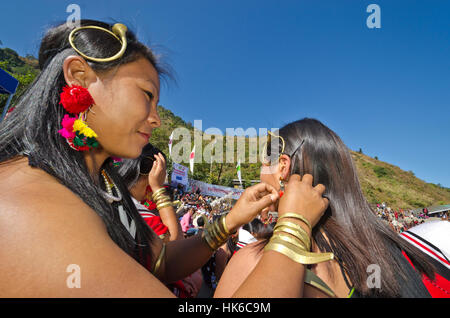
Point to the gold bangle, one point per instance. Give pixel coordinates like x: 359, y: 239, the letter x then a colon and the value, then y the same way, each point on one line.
x: 206, y: 237
x: 162, y: 200
x: 291, y: 224
x: 159, y: 197
x: 289, y: 239
x: 219, y: 232
x: 224, y: 225
x: 301, y: 237
x: 214, y: 236
x: 218, y: 240
x: 293, y: 229
x: 163, y: 205
x: 157, y: 192
x: 160, y: 190
x: 297, y: 255
x: 212, y: 232
x: 159, y: 260
x: 296, y: 216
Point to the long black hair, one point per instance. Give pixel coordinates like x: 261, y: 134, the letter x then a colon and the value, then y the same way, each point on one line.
x: 356, y: 236
x: 32, y: 128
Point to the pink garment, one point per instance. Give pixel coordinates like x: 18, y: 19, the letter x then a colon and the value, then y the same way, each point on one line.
x: 185, y: 222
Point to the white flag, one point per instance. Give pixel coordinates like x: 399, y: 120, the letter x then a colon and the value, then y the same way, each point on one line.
x: 238, y: 168
x: 191, y: 159
x: 170, y: 144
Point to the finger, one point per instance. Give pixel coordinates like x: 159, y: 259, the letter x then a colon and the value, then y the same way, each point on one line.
x: 320, y: 188
x: 326, y: 202
x: 264, y: 202
x: 154, y: 166
x: 158, y: 162
x: 295, y: 177
x: 307, y: 178
x: 162, y: 158
x: 264, y: 189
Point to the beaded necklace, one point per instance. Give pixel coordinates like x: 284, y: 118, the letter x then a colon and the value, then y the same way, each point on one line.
x: 109, y: 196
x: 109, y: 184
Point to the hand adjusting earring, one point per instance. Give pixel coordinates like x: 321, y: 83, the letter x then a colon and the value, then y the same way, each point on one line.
x: 77, y: 100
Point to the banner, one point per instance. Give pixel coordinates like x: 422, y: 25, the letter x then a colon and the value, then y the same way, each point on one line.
x: 179, y: 174
x: 214, y: 190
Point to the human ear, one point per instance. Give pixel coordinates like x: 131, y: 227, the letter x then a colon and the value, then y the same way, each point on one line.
x: 78, y: 72
x: 284, y: 167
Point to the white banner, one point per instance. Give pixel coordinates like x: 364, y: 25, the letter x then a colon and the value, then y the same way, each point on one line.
x: 179, y: 174
x: 214, y: 190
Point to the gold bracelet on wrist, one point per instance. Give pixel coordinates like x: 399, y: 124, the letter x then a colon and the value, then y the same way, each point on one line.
x: 162, y: 200
x: 290, y: 240
x: 296, y: 216
x: 298, y: 232
x: 163, y: 205
x: 291, y: 224
x: 161, y: 190
x: 214, y: 235
x: 298, y: 236
x: 159, y: 197
x: 207, y: 238
x: 158, y: 194
x: 218, y: 232
x: 224, y: 225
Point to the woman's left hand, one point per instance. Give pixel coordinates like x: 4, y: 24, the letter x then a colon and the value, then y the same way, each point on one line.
x: 157, y: 175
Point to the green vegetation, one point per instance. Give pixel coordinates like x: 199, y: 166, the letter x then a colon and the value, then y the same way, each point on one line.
x: 24, y: 69
x: 380, y: 181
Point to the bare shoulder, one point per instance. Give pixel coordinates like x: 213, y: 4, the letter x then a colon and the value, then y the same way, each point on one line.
x: 30, y: 193
x: 238, y: 268
x: 47, y: 232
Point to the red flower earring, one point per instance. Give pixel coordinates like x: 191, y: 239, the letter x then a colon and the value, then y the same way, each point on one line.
x: 77, y: 100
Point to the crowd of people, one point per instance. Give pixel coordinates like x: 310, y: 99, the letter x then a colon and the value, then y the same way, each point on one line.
x: 399, y: 220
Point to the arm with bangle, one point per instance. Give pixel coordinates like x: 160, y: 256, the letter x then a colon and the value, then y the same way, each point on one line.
x: 191, y: 253
x: 168, y: 216
x: 281, y: 270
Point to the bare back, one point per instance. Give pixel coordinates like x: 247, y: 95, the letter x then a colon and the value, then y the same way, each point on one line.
x: 47, y: 232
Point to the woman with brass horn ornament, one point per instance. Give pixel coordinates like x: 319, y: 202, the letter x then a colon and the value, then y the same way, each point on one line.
x: 62, y: 203
x: 345, y: 242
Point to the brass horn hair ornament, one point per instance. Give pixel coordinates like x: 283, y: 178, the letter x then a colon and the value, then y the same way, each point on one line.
x: 119, y: 31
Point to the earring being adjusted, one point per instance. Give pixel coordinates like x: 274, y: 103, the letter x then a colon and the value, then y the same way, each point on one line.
x: 77, y: 100
x: 281, y: 192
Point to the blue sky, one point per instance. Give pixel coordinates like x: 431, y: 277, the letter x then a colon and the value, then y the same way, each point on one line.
x: 249, y: 63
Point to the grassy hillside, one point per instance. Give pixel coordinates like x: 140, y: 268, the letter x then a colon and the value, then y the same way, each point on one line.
x: 381, y: 182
